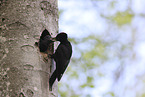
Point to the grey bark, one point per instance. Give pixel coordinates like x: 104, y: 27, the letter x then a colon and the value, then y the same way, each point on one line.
x: 23, y: 70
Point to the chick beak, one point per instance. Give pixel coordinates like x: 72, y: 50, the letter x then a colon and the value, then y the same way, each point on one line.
x: 53, y: 39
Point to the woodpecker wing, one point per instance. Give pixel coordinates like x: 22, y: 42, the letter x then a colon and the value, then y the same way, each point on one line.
x: 62, y: 58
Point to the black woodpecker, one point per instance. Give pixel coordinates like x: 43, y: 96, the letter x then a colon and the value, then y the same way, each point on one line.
x: 44, y: 41
x: 61, y: 57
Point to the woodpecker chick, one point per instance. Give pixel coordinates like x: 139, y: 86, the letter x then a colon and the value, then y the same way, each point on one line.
x: 44, y: 41
x: 61, y: 57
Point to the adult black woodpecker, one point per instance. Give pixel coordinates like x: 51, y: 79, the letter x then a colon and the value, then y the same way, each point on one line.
x: 61, y: 57
x: 44, y: 41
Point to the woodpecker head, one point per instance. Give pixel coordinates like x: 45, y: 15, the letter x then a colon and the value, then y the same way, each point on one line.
x: 62, y: 37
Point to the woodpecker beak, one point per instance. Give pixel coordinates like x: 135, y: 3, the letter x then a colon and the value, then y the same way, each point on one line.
x: 53, y: 39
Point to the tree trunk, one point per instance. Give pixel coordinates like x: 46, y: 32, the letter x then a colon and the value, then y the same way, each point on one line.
x: 23, y: 70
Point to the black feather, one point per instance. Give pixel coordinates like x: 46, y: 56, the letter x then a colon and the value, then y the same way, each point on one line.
x: 62, y: 57
x: 44, y: 41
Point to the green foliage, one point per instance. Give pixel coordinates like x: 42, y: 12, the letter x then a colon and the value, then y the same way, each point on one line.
x: 98, y: 50
x: 113, y: 3
x: 143, y: 95
x: 112, y: 49
x: 73, y: 40
x: 73, y: 74
x: 67, y: 91
x: 60, y: 12
x: 109, y: 94
x: 89, y: 83
x: 122, y: 18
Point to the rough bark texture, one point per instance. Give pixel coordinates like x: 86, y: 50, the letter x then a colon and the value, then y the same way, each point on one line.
x: 23, y: 71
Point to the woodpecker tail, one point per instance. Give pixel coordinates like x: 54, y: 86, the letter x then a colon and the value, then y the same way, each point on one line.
x: 52, y: 80
x: 62, y: 72
x: 59, y: 77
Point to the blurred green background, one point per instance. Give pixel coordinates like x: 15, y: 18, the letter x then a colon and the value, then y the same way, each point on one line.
x: 108, y: 39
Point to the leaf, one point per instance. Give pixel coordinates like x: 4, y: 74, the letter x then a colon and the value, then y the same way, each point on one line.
x: 122, y: 18
x: 87, y: 85
x: 91, y: 86
x: 60, y: 11
x: 111, y: 94
x: 143, y: 95
x: 84, y: 85
x: 89, y: 79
